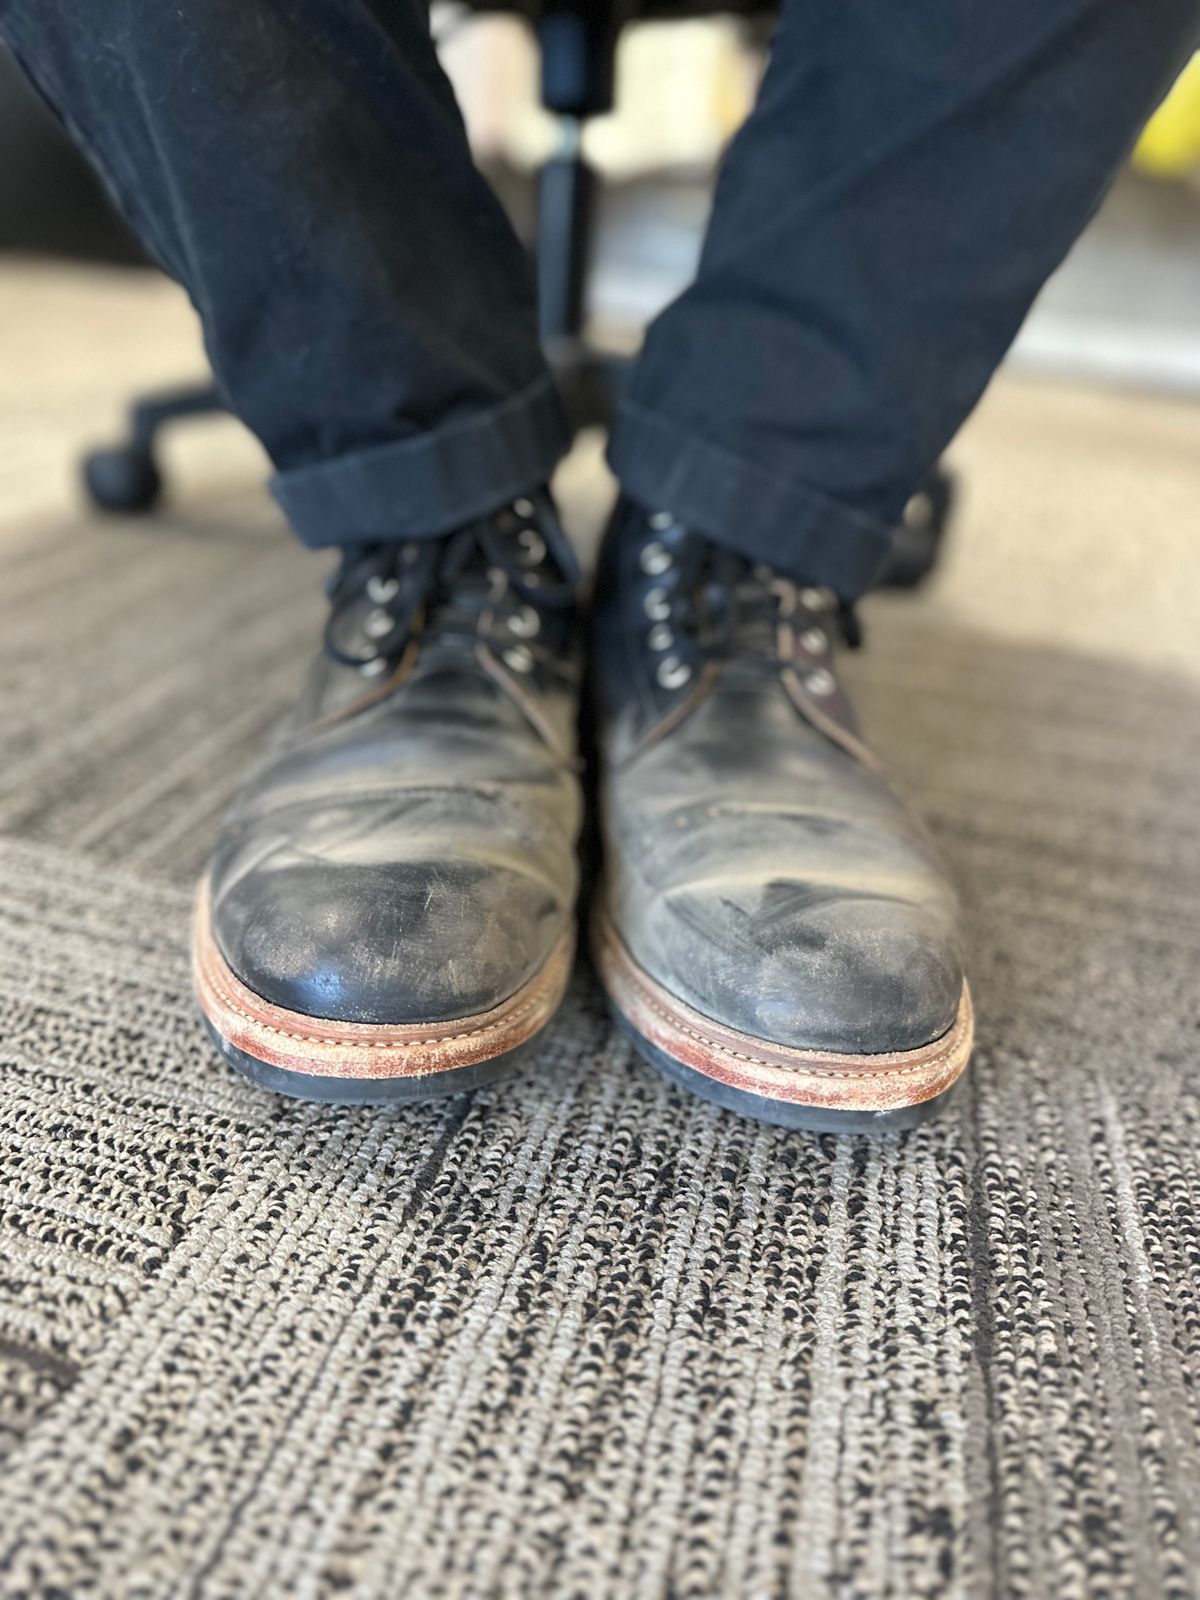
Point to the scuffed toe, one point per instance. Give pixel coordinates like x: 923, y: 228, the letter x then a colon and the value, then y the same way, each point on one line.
x: 811, y: 968
x: 410, y: 943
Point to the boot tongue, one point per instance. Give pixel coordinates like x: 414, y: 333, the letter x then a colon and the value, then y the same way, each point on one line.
x: 756, y: 616
x: 740, y: 605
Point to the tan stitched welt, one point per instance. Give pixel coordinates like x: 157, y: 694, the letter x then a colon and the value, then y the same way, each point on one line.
x: 327, y: 1048
x: 758, y: 1066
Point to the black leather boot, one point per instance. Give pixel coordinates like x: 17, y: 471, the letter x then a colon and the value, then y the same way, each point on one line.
x: 773, y: 929
x: 390, y: 910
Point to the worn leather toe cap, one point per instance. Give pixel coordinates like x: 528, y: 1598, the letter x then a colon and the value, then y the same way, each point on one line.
x: 423, y: 941
x: 808, y: 966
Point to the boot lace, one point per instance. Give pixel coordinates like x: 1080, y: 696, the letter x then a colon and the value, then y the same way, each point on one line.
x: 508, y: 579
x: 709, y: 602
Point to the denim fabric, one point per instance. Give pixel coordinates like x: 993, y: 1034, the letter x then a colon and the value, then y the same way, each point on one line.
x: 300, y: 166
x: 911, y: 175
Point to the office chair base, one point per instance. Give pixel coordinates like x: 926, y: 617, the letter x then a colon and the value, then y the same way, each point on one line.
x: 918, y: 540
x: 125, y: 478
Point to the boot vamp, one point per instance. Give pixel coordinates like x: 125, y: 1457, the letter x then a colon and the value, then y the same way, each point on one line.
x: 412, y: 862
x: 775, y: 884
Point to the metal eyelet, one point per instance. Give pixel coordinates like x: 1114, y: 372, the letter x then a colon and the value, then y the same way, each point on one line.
x: 518, y: 658
x: 764, y: 573
x: 820, y: 682
x: 660, y: 637
x: 661, y: 520
x: 373, y: 667
x: 523, y: 506
x: 657, y: 605
x: 655, y: 559
x: 378, y: 624
x: 525, y: 623
x: 673, y: 673
x: 381, y: 590
x: 815, y: 641
x: 814, y: 599
x: 533, y: 547
x: 410, y: 551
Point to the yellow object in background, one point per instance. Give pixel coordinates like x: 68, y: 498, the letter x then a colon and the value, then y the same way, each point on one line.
x: 1170, y: 143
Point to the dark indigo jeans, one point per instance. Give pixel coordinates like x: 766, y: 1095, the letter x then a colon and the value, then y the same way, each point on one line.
x: 912, y: 173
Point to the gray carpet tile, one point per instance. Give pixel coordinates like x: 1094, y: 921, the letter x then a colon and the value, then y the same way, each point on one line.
x: 576, y: 1334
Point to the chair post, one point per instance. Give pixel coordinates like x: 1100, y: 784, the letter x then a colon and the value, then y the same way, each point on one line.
x: 566, y: 204
x: 578, y: 40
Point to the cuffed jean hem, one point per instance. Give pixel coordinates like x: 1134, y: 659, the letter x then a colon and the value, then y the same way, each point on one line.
x: 745, y: 507
x: 425, y: 486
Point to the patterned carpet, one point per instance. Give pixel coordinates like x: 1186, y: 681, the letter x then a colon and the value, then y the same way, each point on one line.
x: 579, y: 1335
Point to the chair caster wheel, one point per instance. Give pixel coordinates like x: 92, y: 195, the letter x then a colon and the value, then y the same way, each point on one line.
x: 918, y: 538
x: 123, y: 479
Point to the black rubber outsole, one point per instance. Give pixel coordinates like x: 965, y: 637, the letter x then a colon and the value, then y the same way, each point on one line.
x: 780, y: 1113
x: 328, y: 1091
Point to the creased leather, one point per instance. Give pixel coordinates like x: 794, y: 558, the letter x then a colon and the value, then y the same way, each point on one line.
x: 410, y: 861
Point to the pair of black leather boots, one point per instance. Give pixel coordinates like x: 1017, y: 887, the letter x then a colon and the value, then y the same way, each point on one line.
x: 390, y: 913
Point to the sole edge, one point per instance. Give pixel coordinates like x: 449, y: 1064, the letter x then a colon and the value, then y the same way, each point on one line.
x: 353, y: 1062
x: 816, y: 1090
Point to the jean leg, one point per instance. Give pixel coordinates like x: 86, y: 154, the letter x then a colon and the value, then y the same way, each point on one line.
x: 301, y: 168
x: 910, y: 177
